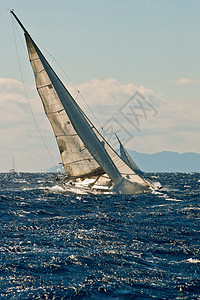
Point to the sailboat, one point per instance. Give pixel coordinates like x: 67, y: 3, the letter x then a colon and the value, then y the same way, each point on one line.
x: 13, y: 167
x: 91, y: 164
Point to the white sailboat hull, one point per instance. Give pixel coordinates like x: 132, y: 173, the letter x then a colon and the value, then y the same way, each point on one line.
x: 86, y: 186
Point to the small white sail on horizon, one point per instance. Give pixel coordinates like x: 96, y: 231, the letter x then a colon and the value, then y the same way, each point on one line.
x: 88, y: 159
x: 13, y: 170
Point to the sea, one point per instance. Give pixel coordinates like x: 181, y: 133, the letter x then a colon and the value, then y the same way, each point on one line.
x: 59, y: 246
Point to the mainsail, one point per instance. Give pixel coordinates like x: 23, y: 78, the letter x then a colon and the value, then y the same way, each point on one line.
x: 76, y: 158
x: 84, y: 151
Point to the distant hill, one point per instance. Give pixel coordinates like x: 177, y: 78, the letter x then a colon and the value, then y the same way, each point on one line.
x: 165, y: 161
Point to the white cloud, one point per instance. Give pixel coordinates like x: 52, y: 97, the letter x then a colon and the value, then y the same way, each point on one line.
x: 110, y: 92
x: 18, y: 132
x: 168, y: 125
x: 173, y: 118
x: 9, y: 85
x: 186, y: 81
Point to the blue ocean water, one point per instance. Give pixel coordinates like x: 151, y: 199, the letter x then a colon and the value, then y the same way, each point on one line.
x: 58, y: 246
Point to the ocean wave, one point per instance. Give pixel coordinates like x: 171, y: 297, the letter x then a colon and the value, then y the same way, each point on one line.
x: 56, y: 245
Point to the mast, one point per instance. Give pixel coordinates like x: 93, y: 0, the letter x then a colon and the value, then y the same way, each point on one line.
x: 20, y: 23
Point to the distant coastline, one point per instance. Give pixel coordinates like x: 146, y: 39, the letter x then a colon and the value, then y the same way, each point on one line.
x: 165, y: 161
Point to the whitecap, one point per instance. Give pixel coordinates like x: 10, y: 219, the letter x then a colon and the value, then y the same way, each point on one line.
x: 22, y: 181
x: 173, y: 199
x: 193, y: 260
x: 157, y: 184
x: 159, y: 205
x: 56, y: 189
x: 191, y: 208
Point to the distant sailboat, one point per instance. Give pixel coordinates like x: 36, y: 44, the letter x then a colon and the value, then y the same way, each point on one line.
x: 90, y: 163
x: 13, y: 166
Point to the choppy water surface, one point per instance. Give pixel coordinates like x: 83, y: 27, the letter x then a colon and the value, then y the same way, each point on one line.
x: 58, y: 246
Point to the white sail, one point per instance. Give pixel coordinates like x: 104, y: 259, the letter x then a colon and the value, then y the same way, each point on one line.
x: 84, y: 151
x: 126, y: 157
x: 13, y: 168
x: 77, y: 161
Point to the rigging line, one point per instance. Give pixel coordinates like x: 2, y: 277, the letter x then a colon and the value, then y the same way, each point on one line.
x: 26, y: 95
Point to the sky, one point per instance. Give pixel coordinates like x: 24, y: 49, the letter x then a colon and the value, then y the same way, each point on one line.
x: 135, y: 63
